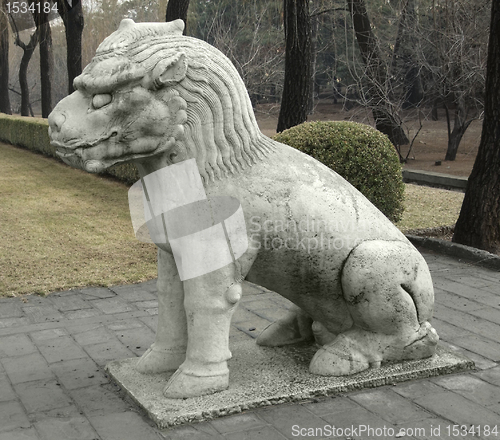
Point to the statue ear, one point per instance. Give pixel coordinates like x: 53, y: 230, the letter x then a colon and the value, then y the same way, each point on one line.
x: 170, y: 71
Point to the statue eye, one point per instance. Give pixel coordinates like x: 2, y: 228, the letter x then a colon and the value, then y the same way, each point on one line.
x: 101, y: 100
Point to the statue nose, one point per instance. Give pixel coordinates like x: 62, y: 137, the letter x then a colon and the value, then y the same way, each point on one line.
x: 56, y: 120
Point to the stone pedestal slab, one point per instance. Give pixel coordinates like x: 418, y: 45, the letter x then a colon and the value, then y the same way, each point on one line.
x: 262, y: 376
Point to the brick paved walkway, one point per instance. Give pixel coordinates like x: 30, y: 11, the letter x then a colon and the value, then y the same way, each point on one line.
x: 53, y: 351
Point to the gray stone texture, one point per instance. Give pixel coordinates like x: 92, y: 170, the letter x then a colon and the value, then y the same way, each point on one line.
x: 361, y: 289
x: 283, y: 377
x: 40, y: 396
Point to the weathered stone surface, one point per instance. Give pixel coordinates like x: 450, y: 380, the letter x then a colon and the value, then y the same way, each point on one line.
x: 339, y: 410
x: 283, y: 377
x: 27, y: 368
x: 178, y: 109
x: 41, y: 396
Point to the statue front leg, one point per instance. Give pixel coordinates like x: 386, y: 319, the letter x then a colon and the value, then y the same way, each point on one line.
x: 169, y: 349
x: 210, y: 301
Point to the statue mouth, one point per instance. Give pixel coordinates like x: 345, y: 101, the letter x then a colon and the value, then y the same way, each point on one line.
x: 67, y: 149
x: 74, y: 147
x: 73, y: 158
x: 64, y: 151
x: 81, y: 155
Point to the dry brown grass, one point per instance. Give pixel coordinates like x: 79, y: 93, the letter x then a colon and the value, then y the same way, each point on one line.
x: 430, y: 207
x: 64, y: 228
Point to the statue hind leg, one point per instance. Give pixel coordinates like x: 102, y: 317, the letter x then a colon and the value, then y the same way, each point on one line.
x: 388, y: 290
x: 295, y: 326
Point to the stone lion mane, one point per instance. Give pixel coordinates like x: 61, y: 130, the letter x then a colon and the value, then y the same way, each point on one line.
x: 221, y: 131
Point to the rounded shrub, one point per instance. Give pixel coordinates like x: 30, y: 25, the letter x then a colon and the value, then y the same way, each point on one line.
x: 360, y: 154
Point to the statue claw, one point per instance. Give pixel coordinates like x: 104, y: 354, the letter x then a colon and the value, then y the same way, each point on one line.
x: 182, y: 385
x: 294, y: 327
x: 357, y: 350
x: 335, y: 361
x: 155, y: 361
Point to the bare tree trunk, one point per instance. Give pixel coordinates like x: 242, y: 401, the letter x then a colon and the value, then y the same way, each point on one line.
x: 460, y: 126
x: 385, y: 120
x: 28, y: 50
x: 72, y: 17
x: 46, y: 58
x: 414, y: 87
x: 403, y: 59
x: 23, y: 75
x: 298, y: 57
x: 479, y: 222
x: 434, y: 112
x: 314, y: 56
x: 177, y: 9
x: 4, y: 60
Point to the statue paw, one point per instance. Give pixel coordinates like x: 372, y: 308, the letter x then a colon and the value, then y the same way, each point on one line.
x: 182, y: 385
x: 336, y: 359
x: 425, y: 344
x: 294, y: 327
x: 155, y: 361
x: 357, y: 350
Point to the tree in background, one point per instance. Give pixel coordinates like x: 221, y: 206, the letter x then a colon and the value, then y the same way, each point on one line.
x: 479, y: 222
x: 376, y: 88
x: 298, y: 64
x: 4, y: 59
x: 141, y: 10
x: 405, y: 68
x: 177, y: 9
x: 250, y: 34
x: 72, y: 17
x: 415, y: 55
x: 453, y: 56
x: 28, y: 50
x: 46, y: 56
x: 104, y: 17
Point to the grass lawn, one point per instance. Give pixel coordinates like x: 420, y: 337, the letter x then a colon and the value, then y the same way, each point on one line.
x: 64, y: 228
x: 430, y: 207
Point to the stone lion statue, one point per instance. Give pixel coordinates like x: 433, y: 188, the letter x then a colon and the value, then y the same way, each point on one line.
x: 360, y: 290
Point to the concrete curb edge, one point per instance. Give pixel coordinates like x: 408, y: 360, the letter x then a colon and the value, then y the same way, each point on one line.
x: 434, y: 179
x: 475, y: 256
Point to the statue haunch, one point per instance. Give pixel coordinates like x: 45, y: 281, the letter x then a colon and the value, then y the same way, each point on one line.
x: 156, y: 98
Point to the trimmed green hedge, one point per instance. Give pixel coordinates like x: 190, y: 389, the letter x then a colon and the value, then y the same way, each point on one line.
x: 360, y: 154
x: 30, y: 133
x: 33, y: 134
x: 126, y: 172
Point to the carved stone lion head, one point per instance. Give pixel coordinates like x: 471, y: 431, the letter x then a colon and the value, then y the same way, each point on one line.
x: 151, y: 90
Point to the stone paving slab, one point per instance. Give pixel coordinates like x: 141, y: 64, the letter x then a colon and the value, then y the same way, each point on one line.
x: 283, y: 376
x: 53, y: 384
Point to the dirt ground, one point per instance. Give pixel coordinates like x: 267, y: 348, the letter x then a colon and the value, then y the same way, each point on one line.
x: 428, y: 148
